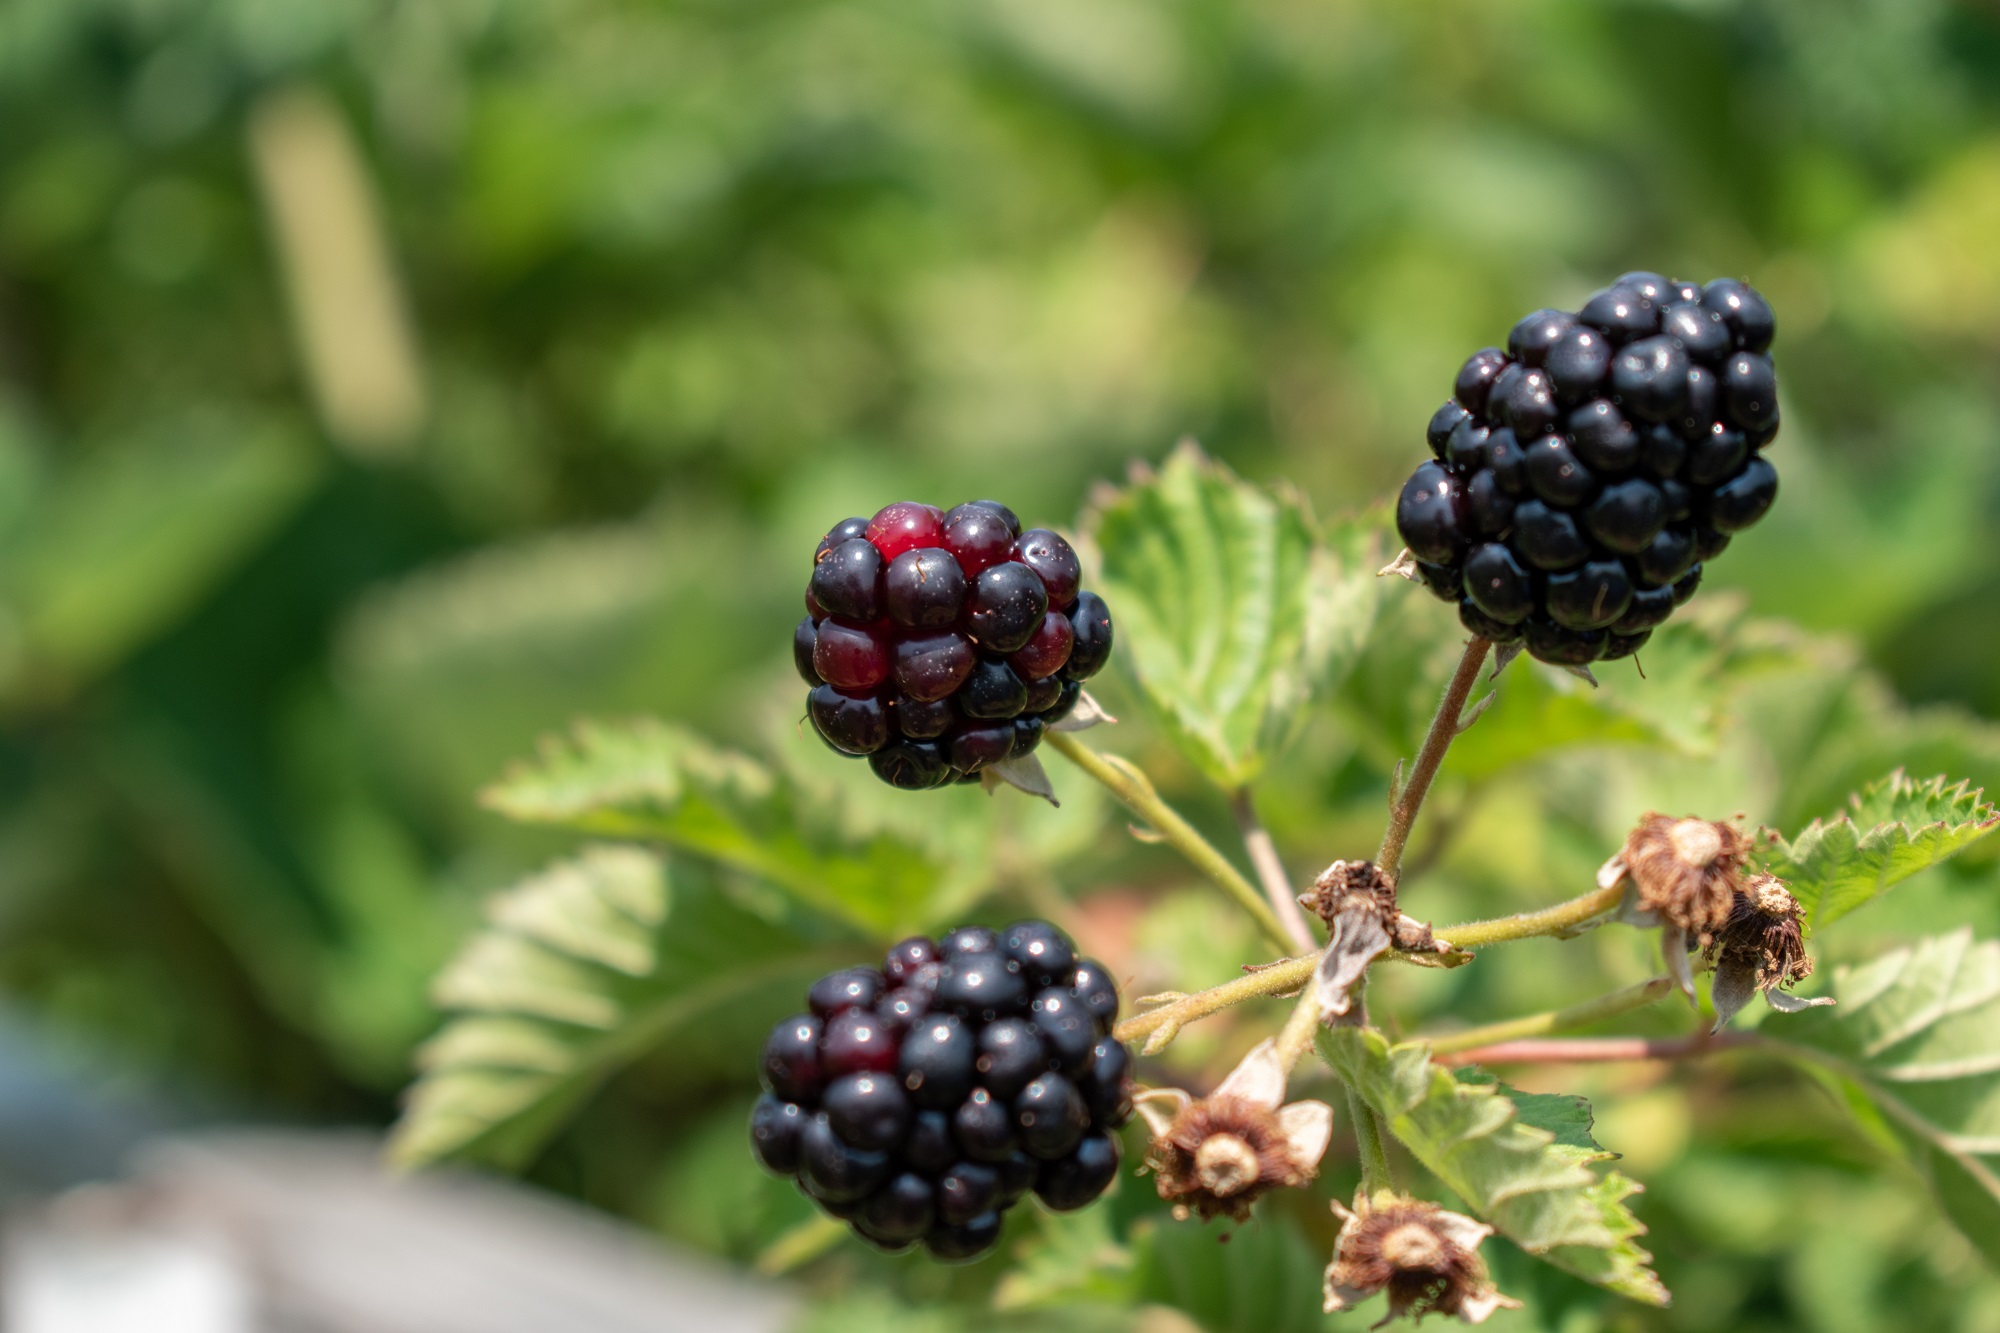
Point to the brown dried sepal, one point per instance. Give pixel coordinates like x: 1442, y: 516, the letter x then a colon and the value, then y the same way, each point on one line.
x: 1221, y: 1155
x: 1352, y: 885
x: 1687, y: 870
x: 1764, y: 935
x: 1425, y: 1258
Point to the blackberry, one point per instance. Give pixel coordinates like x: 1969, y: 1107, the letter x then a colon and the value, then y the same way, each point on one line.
x: 1001, y: 1078
x: 1579, y: 478
x: 938, y: 644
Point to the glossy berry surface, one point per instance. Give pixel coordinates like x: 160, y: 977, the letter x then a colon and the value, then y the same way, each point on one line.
x: 1000, y: 1078
x: 941, y: 643
x: 1578, y: 479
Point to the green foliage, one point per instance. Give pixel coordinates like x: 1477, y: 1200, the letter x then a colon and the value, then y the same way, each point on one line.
x: 1918, y: 1031
x: 1531, y: 1179
x: 1896, y: 828
x: 651, y: 780
x: 1231, y: 614
x: 579, y: 970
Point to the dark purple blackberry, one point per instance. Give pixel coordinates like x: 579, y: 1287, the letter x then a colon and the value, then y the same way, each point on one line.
x: 1532, y: 338
x: 1075, y: 1180
x: 1442, y: 422
x: 804, y: 639
x: 1579, y: 478
x: 851, y: 723
x: 1000, y: 1077
x: 1475, y: 378
x: 1431, y: 516
x: 940, y: 644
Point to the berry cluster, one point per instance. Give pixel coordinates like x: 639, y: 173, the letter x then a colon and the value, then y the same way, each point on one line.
x: 1583, y: 475
x: 940, y: 643
x: 921, y: 1101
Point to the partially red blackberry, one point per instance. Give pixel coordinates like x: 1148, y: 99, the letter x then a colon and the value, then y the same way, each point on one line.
x: 941, y: 643
x: 1579, y: 477
x: 921, y: 1101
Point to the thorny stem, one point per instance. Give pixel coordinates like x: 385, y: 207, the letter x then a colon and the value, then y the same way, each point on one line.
x: 1557, y: 1020
x: 1444, y: 729
x: 1289, y: 974
x: 1600, y: 1050
x: 1277, y: 979
x: 1271, y: 871
x: 1297, y: 1036
x: 1136, y: 793
x: 1555, y: 920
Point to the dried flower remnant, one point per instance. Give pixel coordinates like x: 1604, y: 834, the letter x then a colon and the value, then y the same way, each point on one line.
x: 1682, y: 875
x: 1217, y: 1155
x: 1425, y: 1258
x: 1358, y: 903
x: 1761, y: 949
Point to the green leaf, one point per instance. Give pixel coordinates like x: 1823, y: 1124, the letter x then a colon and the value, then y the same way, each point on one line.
x: 579, y: 970
x: 1532, y: 1181
x: 1918, y: 1030
x: 1074, y: 1257
x: 1567, y: 1116
x: 1265, y: 1280
x: 1230, y: 613
x: 1897, y: 827
x: 648, y: 779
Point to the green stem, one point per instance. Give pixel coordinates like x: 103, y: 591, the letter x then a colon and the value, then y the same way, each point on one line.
x: 1296, y: 1038
x: 1276, y: 979
x: 1564, y: 916
x: 1556, y: 1020
x: 1376, y: 1173
x: 1136, y: 793
x: 1444, y: 729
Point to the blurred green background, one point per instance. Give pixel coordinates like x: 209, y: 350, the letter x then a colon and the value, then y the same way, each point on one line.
x: 385, y: 383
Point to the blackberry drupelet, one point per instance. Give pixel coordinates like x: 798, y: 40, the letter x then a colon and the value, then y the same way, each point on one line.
x: 921, y: 1101
x: 940, y: 643
x: 1579, y: 478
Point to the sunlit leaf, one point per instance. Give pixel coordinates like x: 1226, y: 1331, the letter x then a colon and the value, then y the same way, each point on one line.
x: 1918, y: 1030
x: 1533, y: 1182
x: 1265, y: 1280
x: 1074, y: 1257
x: 1230, y: 612
x: 647, y: 779
x: 579, y: 970
x: 1896, y: 828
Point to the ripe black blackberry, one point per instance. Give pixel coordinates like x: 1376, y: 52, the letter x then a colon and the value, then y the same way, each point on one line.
x: 920, y: 1101
x: 1582, y: 476
x: 939, y: 644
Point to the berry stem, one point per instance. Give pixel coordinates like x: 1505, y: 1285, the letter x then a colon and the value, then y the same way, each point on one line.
x: 1563, y: 917
x: 1136, y: 793
x: 1274, y: 979
x: 1271, y: 871
x: 1556, y: 1020
x: 1445, y: 726
x: 1601, y: 1050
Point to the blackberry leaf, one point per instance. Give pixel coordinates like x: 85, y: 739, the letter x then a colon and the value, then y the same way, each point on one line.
x: 654, y: 781
x: 1232, y: 612
x: 580, y: 969
x: 1897, y: 827
x: 1918, y: 1032
x: 1534, y: 1184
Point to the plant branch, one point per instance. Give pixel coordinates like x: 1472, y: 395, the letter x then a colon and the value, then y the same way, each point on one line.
x: 1276, y: 979
x: 1136, y: 793
x: 1271, y: 871
x: 1444, y: 729
x: 1556, y: 1020
x: 1376, y: 1173
x: 1599, y: 1050
x: 1563, y: 917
